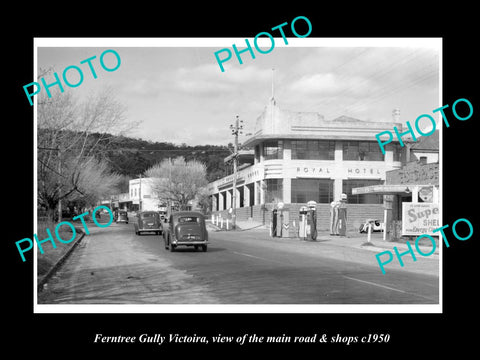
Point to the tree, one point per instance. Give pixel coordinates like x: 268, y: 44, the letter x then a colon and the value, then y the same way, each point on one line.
x: 69, y: 158
x: 177, y: 180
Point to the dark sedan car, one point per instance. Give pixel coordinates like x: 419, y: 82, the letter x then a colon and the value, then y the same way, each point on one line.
x: 148, y: 221
x: 122, y: 216
x: 185, y: 228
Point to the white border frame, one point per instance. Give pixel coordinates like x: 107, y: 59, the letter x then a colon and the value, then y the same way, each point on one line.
x: 434, y: 43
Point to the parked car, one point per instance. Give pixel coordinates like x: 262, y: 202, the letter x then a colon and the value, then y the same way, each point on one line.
x: 122, y: 217
x: 377, y: 225
x: 147, y: 221
x: 185, y: 228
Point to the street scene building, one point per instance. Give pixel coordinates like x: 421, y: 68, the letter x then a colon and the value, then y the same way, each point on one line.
x: 301, y: 156
x: 282, y: 213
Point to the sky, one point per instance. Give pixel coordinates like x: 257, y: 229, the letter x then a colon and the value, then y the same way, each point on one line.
x: 175, y: 87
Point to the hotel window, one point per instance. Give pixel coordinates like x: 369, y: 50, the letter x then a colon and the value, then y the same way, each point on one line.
x: 362, y: 151
x: 273, y: 150
x: 274, y: 190
x: 313, y: 150
x: 397, y: 151
x: 348, y: 185
x: 319, y: 190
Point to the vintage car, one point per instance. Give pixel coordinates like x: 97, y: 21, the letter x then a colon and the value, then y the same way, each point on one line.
x: 122, y: 216
x: 147, y: 221
x: 185, y: 228
x: 376, y: 224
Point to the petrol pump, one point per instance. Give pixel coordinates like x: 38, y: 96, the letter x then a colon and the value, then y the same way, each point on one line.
x: 342, y: 216
x: 273, y: 229
x: 312, y: 220
x: 302, y: 223
x: 308, y: 221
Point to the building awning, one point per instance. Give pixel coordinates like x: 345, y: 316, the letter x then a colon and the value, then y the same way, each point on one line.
x: 386, y: 189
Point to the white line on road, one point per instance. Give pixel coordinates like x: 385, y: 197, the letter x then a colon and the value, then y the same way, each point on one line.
x: 386, y: 287
x: 375, y: 284
x: 257, y: 257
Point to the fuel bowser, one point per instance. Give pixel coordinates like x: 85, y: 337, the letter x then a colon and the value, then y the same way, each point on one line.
x: 308, y: 221
x: 342, y: 216
x: 302, y: 223
x: 273, y: 228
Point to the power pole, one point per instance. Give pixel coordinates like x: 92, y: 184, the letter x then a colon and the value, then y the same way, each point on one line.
x: 140, y: 194
x: 235, y: 131
x: 60, y: 210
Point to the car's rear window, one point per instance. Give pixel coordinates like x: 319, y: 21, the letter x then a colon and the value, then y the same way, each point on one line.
x: 188, y: 219
x: 148, y: 215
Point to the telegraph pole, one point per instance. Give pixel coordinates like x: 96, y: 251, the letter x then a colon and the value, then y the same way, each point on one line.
x: 140, y: 194
x: 236, y: 129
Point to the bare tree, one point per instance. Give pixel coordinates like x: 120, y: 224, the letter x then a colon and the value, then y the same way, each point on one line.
x: 71, y: 138
x: 178, y: 180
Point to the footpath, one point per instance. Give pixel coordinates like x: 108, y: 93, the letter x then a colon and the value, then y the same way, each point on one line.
x: 353, y: 239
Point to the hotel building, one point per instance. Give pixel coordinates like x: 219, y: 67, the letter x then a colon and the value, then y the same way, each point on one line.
x: 301, y: 156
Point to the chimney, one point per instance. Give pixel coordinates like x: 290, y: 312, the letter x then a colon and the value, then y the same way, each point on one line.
x: 396, y: 115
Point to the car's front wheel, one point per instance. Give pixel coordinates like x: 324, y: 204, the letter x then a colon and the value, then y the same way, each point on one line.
x: 171, y: 246
x: 204, y: 248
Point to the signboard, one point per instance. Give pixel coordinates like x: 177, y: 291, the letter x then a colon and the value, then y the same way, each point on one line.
x: 420, y: 218
x: 414, y: 173
x: 248, y: 175
x: 426, y: 193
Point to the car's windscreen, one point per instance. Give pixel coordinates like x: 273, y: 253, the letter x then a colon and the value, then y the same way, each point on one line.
x: 189, y: 219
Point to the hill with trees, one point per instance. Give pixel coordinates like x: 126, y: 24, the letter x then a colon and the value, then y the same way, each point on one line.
x: 133, y: 156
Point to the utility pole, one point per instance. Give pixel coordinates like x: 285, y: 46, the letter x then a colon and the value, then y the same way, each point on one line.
x: 140, y: 194
x: 236, y: 129
x: 60, y: 211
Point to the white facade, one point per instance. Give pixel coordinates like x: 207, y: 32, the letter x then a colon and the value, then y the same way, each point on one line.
x: 301, y: 157
x: 141, y: 189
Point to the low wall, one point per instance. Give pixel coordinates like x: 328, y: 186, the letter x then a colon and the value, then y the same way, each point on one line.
x: 356, y: 214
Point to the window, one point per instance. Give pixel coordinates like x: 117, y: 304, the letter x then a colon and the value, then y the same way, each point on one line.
x: 319, y: 190
x: 362, y: 151
x: 313, y: 150
x: 147, y: 215
x: 348, y: 185
x: 274, y: 190
x: 397, y: 152
x: 190, y: 219
x: 396, y: 149
x: 273, y: 150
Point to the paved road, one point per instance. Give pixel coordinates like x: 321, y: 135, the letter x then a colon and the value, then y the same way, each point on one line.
x: 114, y: 266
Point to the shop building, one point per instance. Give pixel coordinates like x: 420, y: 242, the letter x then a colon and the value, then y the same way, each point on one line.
x: 301, y: 156
x: 143, y: 196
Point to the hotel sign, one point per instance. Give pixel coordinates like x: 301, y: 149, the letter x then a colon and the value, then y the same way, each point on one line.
x: 365, y: 171
x: 247, y: 175
x: 314, y: 171
x: 334, y: 171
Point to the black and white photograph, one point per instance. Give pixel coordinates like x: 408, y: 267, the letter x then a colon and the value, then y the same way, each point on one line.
x: 221, y: 179
x: 248, y: 187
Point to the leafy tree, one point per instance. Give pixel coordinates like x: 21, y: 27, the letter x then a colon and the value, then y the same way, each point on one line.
x: 177, y: 180
x: 70, y: 160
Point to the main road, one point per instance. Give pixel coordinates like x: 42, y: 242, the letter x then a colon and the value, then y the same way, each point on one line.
x: 114, y: 266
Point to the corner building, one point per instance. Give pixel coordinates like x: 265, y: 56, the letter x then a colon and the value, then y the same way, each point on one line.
x: 300, y: 156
